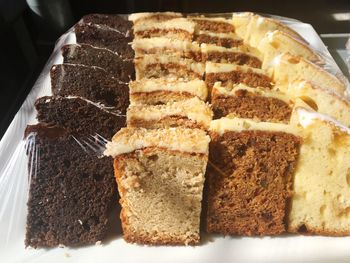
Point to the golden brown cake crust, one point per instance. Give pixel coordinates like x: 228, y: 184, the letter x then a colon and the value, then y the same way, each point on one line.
x: 247, y: 105
x: 249, y: 179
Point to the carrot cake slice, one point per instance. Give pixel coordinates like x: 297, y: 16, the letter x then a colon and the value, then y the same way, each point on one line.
x: 156, y: 66
x: 160, y: 177
x: 234, y: 74
x: 164, y: 90
x: 243, y: 101
x: 191, y: 113
x: 242, y: 55
x: 321, y: 200
x: 250, y: 171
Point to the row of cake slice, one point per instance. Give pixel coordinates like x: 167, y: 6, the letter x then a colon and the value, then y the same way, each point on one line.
x: 72, y: 189
x: 247, y: 200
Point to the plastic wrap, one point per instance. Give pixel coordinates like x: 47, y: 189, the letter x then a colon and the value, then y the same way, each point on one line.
x: 14, y: 189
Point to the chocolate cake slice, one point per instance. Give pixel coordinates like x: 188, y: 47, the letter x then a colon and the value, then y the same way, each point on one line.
x: 69, y: 201
x: 118, y: 22
x: 104, y: 37
x: 79, y: 116
x: 120, y: 68
x: 92, y: 83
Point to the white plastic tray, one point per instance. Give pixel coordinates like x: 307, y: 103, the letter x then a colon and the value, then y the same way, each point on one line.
x: 14, y: 193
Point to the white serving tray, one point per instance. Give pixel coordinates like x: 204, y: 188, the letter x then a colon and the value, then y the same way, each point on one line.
x: 14, y: 193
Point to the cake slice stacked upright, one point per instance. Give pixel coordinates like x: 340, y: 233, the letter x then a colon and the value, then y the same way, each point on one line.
x: 73, y: 191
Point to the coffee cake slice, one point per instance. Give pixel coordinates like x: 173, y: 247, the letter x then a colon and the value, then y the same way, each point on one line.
x: 84, y: 54
x: 321, y: 200
x: 257, y: 103
x: 160, y: 176
x: 177, y: 28
x: 164, y: 90
x: 191, y: 113
x: 71, y: 190
x: 92, y: 83
x: 250, y: 172
x: 156, y: 66
x: 164, y: 45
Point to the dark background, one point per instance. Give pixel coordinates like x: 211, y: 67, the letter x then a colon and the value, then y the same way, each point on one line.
x: 29, y: 29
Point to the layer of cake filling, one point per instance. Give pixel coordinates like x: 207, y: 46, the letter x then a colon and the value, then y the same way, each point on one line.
x: 321, y: 200
x: 288, y: 68
x: 71, y: 193
x: 163, y: 45
x: 138, y: 18
x: 213, y: 24
x: 234, y: 74
x: 227, y: 40
x: 250, y: 171
x: 120, y: 68
x: 104, y: 37
x: 241, y: 55
x: 79, y: 116
x: 191, y: 113
x: 92, y: 83
x: 164, y: 90
x: 116, y: 22
x: 177, y: 28
x: 155, y: 66
x: 242, y: 101
x: 160, y: 176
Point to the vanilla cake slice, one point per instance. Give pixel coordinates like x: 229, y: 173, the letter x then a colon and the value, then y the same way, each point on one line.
x: 160, y: 176
x: 191, y: 113
x: 321, y: 200
x: 164, y: 90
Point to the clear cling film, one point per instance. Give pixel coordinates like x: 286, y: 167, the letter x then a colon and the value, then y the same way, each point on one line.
x: 52, y: 161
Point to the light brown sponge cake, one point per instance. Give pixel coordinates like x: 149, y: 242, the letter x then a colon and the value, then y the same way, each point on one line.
x: 321, y: 200
x: 155, y: 66
x: 277, y: 42
x: 324, y: 101
x: 191, y: 113
x: 288, y: 68
x: 164, y: 90
x: 160, y: 176
x: 257, y: 103
x: 227, y: 40
x: 249, y: 176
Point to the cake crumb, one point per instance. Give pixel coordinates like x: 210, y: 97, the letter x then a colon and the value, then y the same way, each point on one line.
x: 98, y: 243
x: 80, y: 222
x: 61, y: 246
